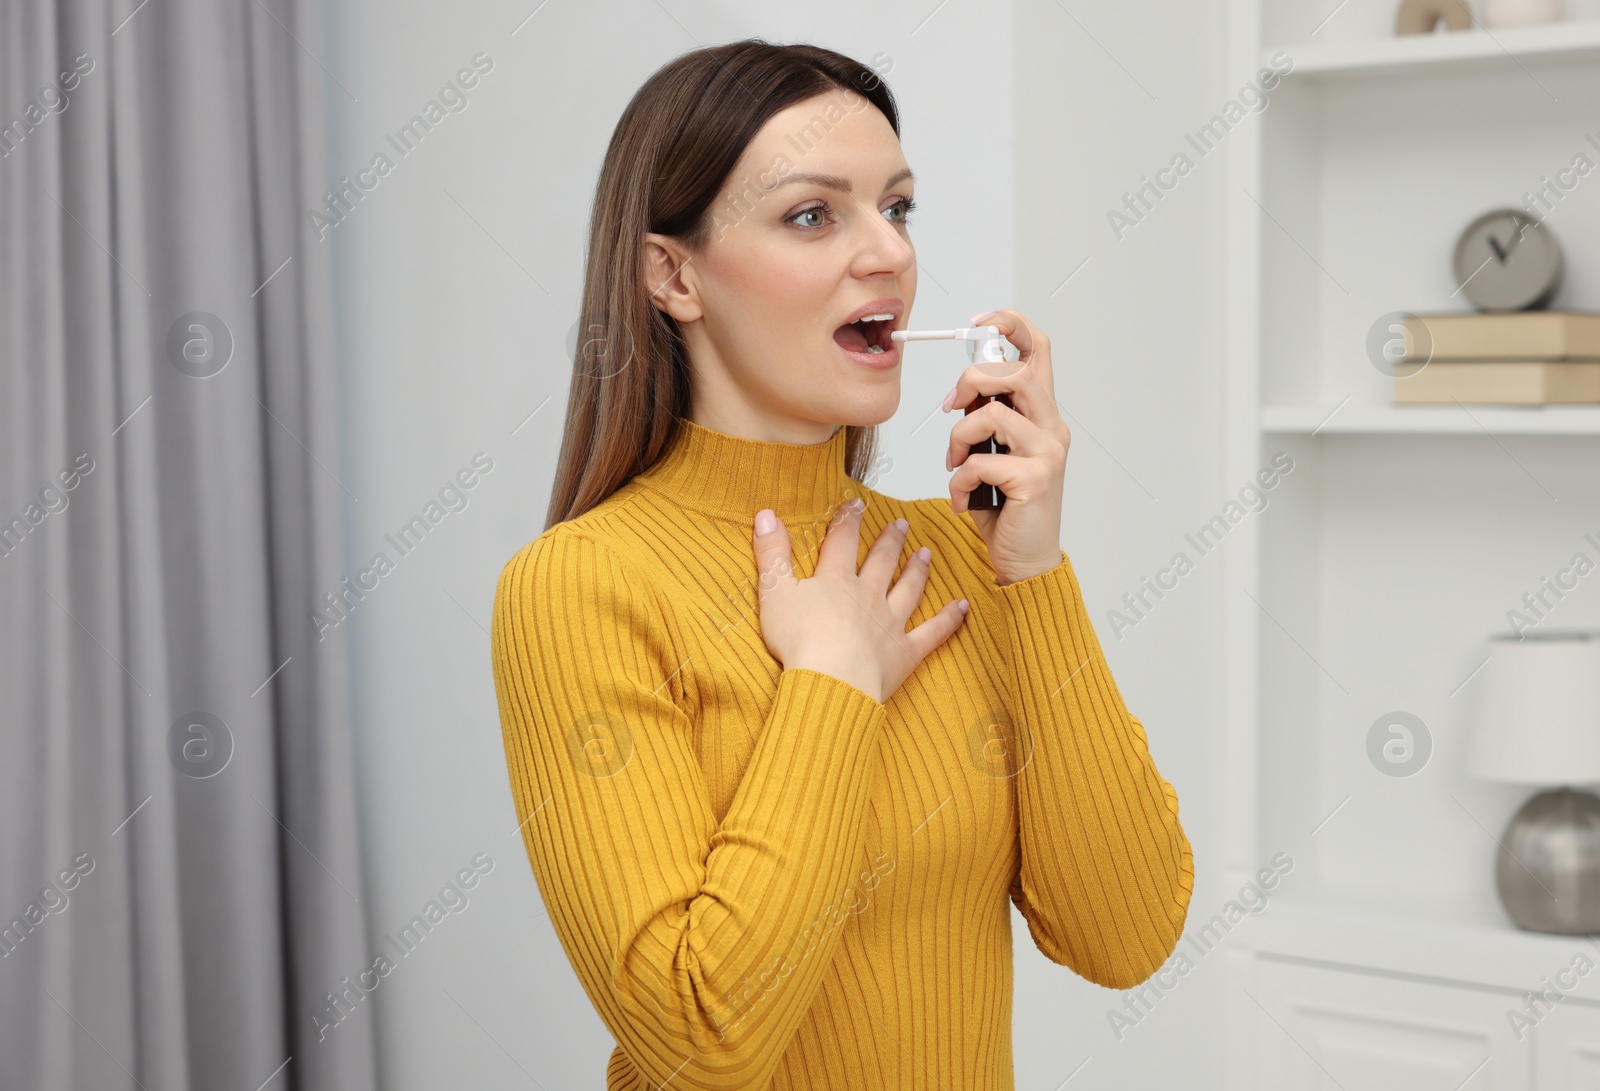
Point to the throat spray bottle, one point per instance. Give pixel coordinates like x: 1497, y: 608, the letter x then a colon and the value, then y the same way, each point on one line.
x: 984, y: 345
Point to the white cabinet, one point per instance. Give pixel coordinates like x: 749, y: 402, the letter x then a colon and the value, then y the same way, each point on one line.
x: 1567, y: 1049
x: 1316, y: 1029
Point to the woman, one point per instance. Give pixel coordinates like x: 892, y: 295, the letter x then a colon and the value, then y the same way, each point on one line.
x: 777, y: 832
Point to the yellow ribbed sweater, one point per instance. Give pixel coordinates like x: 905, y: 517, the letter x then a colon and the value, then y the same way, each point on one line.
x: 765, y: 877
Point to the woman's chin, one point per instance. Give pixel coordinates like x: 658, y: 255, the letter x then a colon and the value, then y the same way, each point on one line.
x: 866, y: 403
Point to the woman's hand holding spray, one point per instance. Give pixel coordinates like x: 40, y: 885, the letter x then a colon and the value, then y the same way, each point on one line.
x: 1011, y: 441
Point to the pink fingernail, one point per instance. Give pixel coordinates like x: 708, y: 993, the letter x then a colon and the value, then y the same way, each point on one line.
x: 766, y: 522
x: 979, y: 319
x: 949, y: 399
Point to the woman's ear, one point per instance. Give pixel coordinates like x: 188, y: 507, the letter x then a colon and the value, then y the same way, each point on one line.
x: 670, y: 283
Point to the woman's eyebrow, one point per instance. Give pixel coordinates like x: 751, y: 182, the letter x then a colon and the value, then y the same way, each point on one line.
x: 834, y: 181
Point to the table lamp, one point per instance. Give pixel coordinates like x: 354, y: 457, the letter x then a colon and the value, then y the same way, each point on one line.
x: 1537, y: 721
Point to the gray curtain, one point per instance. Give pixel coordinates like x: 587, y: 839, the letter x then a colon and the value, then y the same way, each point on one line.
x: 180, y: 881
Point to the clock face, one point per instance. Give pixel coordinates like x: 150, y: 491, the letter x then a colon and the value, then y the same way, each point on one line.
x: 1507, y: 261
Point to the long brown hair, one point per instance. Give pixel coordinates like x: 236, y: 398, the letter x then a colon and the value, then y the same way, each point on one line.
x: 670, y: 155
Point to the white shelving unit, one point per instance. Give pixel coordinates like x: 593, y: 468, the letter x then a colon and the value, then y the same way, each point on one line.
x: 1469, y: 420
x: 1465, y: 50
x: 1398, y: 542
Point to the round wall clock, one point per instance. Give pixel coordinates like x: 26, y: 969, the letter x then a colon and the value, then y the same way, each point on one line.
x: 1507, y: 261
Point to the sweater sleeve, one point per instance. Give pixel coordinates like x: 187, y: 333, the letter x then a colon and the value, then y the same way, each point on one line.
x: 1106, y: 871
x: 701, y: 943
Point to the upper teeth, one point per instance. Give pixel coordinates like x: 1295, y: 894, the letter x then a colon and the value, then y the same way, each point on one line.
x: 876, y: 349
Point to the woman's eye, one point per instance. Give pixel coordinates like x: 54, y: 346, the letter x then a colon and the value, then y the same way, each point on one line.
x: 907, y: 206
x: 815, y: 210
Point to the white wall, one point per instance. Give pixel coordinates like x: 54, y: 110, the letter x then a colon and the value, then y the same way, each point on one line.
x: 458, y: 279
x: 1104, y: 95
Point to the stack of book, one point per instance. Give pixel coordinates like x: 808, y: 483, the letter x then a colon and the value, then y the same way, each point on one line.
x: 1521, y: 358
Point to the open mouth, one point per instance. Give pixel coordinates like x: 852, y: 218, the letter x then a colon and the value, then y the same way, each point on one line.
x: 869, y: 334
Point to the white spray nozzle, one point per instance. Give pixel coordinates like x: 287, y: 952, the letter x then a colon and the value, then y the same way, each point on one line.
x: 984, y: 343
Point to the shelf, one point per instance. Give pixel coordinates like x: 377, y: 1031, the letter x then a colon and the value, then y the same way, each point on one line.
x: 1552, y: 420
x: 1397, y: 933
x: 1445, y: 51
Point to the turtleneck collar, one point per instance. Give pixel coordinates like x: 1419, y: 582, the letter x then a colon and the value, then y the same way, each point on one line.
x: 727, y: 475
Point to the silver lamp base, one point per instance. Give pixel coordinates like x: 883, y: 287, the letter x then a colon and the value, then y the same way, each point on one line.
x: 1548, y: 870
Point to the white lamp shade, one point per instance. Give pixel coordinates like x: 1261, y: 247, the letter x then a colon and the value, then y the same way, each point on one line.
x: 1537, y: 717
